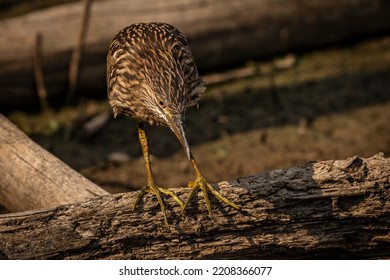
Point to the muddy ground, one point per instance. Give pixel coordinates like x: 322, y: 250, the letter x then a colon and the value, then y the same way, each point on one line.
x: 327, y: 104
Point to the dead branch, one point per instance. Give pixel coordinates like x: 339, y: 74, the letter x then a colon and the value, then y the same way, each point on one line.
x: 38, y: 74
x: 74, y: 66
x: 32, y: 178
x: 336, y: 209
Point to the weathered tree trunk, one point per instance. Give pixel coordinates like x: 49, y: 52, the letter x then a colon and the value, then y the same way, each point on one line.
x: 220, y: 32
x: 32, y: 178
x: 328, y: 209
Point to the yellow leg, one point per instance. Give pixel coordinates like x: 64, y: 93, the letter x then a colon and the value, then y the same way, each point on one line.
x: 151, y: 186
x: 200, y: 183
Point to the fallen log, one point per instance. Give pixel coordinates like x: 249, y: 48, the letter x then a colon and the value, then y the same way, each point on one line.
x: 335, y: 209
x: 32, y: 178
x: 221, y: 33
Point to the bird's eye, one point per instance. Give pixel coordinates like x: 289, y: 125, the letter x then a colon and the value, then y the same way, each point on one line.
x: 162, y: 104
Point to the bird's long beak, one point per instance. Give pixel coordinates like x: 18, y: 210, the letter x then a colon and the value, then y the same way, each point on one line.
x: 177, y: 125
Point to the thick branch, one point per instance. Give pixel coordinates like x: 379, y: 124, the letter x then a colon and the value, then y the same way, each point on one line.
x: 327, y: 209
x: 32, y: 178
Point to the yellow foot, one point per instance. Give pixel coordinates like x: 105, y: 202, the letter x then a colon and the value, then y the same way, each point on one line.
x: 157, y: 191
x: 201, y: 183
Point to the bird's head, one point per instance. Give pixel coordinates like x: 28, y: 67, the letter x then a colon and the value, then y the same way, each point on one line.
x: 170, y: 109
x: 172, y: 88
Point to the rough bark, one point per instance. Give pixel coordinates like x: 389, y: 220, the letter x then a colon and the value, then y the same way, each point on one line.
x: 32, y: 178
x: 326, y: 209
x: 220, y: 32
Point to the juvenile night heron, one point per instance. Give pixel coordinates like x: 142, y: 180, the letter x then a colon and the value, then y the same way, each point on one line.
x: 152, y: 77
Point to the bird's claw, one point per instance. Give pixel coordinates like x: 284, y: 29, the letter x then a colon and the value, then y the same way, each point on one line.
x: 201, y: 183
x: 157, y: 191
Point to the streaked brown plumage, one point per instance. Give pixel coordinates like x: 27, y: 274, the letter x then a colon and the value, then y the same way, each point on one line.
x: 152, y: 77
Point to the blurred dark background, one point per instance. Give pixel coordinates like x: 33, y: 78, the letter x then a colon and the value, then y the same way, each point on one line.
x: 288, y: 82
